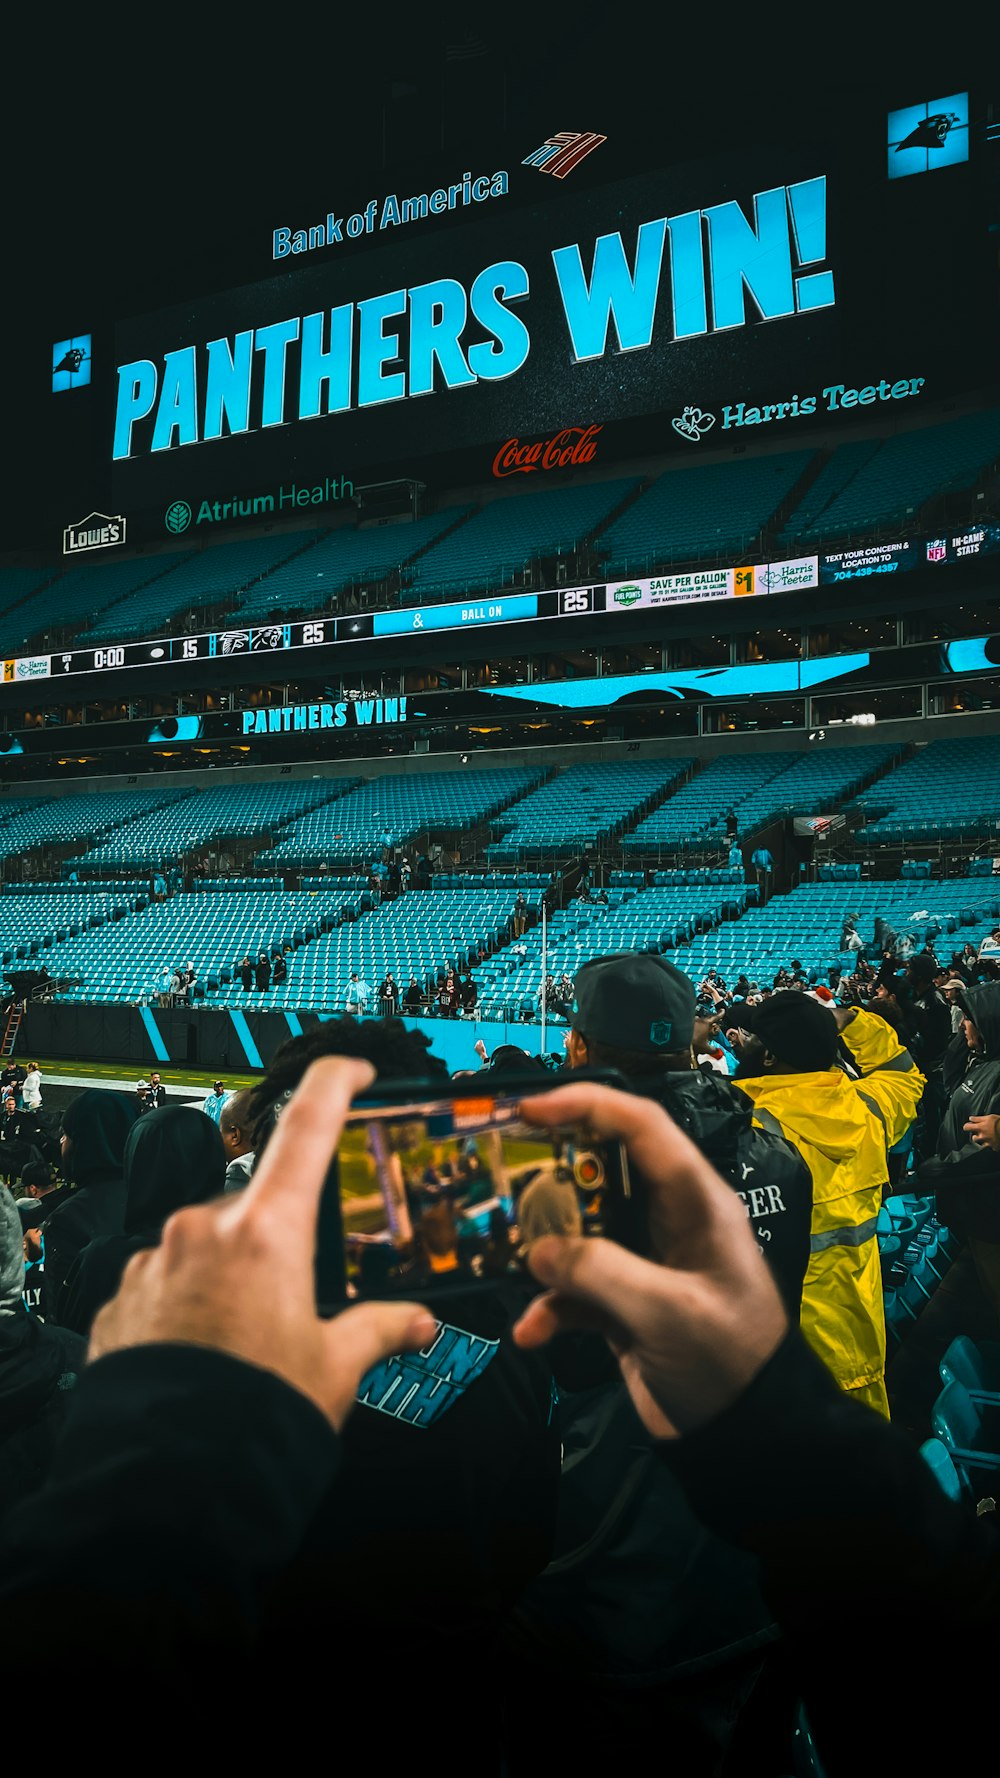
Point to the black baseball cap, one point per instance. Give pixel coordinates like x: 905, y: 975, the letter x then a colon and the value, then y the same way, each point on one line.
x: 635, y: 1000
x: 795, y: 1028
x: 508, y: 1058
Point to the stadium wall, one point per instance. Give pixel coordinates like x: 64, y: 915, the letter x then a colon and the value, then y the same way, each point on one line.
x: 221, y: 1039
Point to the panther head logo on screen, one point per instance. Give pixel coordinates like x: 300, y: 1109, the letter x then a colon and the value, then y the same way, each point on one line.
x: 70, y: 360
x: 268, y: 637
x: 930, y: 132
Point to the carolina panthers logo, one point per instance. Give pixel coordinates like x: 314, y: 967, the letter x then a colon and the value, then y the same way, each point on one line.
x: 71, y: 360
x: 269, y: 637
x: 930, y: 132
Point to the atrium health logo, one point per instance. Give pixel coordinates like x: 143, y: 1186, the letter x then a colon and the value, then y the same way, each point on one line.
x: 177, y: 517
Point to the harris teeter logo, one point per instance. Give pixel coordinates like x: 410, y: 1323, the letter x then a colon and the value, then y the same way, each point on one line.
x: 692, y: 424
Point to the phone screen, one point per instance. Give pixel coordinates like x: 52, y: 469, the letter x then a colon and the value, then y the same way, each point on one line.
x: 434, y: 1191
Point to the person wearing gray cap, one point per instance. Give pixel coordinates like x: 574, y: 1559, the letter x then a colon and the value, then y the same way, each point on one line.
x: 635, y: 1012
x: 666, y: 1624
x: 39, y: 1364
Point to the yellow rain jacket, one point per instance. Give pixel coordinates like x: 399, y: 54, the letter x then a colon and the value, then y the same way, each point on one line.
x: 843, y: 1129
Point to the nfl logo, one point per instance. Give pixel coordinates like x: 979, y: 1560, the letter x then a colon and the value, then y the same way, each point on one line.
x: 937, y: 550
x: 660, y: 1032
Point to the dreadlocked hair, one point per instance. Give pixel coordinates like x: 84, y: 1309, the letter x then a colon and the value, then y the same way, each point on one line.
x: 394, y: 1052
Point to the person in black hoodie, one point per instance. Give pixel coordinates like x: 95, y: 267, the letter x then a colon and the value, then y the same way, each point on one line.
x: 163, y: 1549
x: 447, y: 1500
x: 960, y: 1170
x: 17, y: 1148
x: 636, y: 1013
x: 930, y: 1035
x: 94, y: 1130
x: 647, y: 1622
x: 971, y: 1068
x: 38, y: 1367
x: 42, y: 1194
x: 205, y: 1435
x: 174, y: 1156
x: 963, y: 1177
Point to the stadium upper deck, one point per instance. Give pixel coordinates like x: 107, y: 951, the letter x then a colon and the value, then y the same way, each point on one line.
x: 627, y: 451
x: 726, y: 511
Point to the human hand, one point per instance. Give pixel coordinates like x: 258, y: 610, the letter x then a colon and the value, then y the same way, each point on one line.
x: 691, y: 1328
x: 32, y: 1244
x: 705, y: 1032
x: 237, y: 1275
x: 480, y: 1049
x: 984, y: 1131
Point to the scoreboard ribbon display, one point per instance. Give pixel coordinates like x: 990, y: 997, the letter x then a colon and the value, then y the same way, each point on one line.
x: 502, y: 608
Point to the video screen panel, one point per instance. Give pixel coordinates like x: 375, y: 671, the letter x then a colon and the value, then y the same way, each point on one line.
x: 729, y: 301
x: 610, y: 304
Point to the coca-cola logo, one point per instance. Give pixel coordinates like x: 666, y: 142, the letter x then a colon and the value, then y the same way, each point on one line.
x: 574, y: 444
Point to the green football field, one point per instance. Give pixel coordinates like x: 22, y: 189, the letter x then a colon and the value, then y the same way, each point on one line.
x: 94, y: 1073
x: 358, y: 1178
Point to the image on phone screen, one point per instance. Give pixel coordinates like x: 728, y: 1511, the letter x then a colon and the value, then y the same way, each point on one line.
x: 446, y: 1190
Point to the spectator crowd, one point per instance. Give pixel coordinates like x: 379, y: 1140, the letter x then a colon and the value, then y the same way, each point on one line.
x: 667, y: 1489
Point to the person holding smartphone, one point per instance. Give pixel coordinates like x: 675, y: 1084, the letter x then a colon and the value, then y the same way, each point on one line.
x: 212, y: 1380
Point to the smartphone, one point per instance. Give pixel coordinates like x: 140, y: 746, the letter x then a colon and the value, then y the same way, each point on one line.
x: 425, y: 1191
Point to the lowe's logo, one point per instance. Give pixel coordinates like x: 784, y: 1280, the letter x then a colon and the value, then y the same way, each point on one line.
x: 98, y: 531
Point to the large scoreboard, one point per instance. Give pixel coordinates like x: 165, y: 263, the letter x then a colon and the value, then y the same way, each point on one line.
x: 547, y: 308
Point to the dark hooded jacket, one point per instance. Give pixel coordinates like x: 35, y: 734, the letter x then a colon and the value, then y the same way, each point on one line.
x: 97, y: 1124
x: 964, y: 1177
x: 766, y: 1171
x: 639, y: 1593
x: 174, y: 1156
x: 977, y: 1092
x: 38, y: 1368
x: 929, y: 1015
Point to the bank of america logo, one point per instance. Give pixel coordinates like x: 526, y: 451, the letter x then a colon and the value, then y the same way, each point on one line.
x: 560, y: 153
